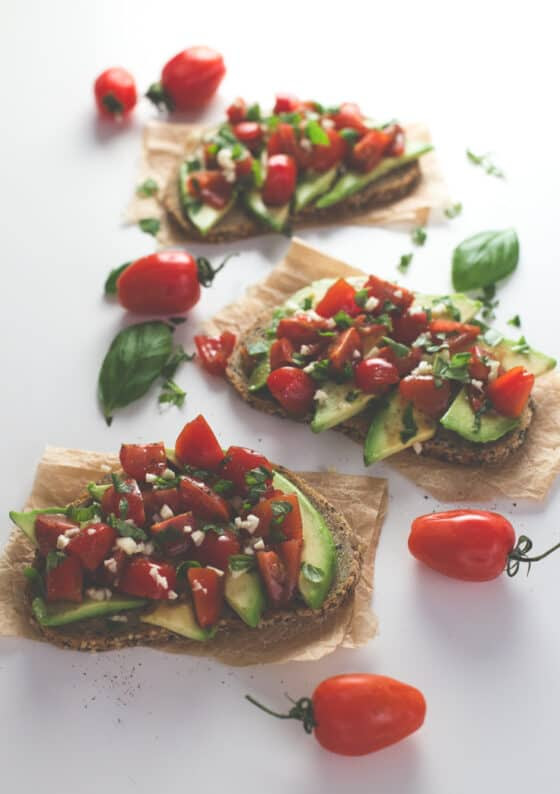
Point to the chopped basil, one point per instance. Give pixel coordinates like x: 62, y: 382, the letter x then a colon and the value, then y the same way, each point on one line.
x: 452, y: 310
x: 149, y: 187
x: 410, y: 427
x: 184, y: 566
x: 307, y: 303
x: 257, y: 481
x: 419, y: 235
x: 361, y: 297
x: 515, y: 321
x: 54, y: 559
x: 486, y: 163
x: 254, y: 112
x: 149, y: 225
x: 316, y: 133
x: 194, y: 164
x: 123, y: 508
x: 404, y: 262
x: 120, y: 485
x: 454, y: 210
x: 177, y: 357
x: 349, y: 135
x: 259, y: 348
x: 312, y: 573
x: 126, y: 529
x: 223, y: 487
x: 110, y: 287
x: 343, y: 319
x: 279, y: 511
x: 83, y: 514
x: 320, y: 370
x: 35, y: 579
x: 521, y: 346
x: 484, y: 408
x: 326, y: 333
x: 484, y: 259
x: 457, y: 368
x: 240, y: 563
x: 400, y: 350
x: 172, y: 393
x: 426, y: 342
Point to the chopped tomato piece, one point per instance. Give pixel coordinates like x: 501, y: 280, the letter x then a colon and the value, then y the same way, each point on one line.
x: 140, y: 459
x: 350, y: 116
x: 477, y: 368
x: 280, y: 182
x: 283, y: 140
x: 368, y: 152
x: 214, y: 351
x: 293, y: 388
x: 510, y: 392
x: 216, y: 549
x: 301, y: 330
x: 237, y: 111
x: 386, y: 291
x: 244, y: 166
x: 173, y: 535
x: 211, y: 187
x: 281, y: 352
x: 109, y: 573
x: 197, y: 445
x: 48, y: 528
x: 249, y: 133
x: 397, y: 146
x: 92, y: 545
x: 324, y: 156
x: 343, y: 348
x: 288, y: 522
x: 422, y: 391
x: 145, y: 578
x: 273, y: 573
x: 404, y: 364
x: 290, y: 554
x: 64, y: 583
x: 286, y: 103
x: 155, y: 499
x: 207, y: 592
x: 237, y: 464
x: 113, y: 501
x: 373, y: 375
x: 339, y: 297
x: 408, y: 326
x: 202, y: 501
x: 210, y: 160
x: 453, y: 327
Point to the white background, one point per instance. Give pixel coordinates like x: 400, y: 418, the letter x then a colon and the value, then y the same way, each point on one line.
x: 486, y: 656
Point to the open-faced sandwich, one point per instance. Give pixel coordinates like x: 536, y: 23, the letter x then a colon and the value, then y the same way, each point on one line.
x: 300, y: 164
x: 392, y: 369
x: 191, y: 544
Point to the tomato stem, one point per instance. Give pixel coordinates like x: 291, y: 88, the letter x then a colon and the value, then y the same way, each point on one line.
x: 519, y: 554
x: 302, y: 710
x: 206, y: 273
x: 159, y: 96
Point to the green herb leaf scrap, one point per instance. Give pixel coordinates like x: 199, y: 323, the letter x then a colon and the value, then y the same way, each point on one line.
x: 484, y: 259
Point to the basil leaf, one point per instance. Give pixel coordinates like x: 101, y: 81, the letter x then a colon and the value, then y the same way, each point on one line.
x: 254, y: 112
x: 404, y: 262
x: 515, y: 321
x: 485, y: 258
x: 486, y: 163
x: 110, y: 287
x: 319, y: 370
x: 521, y: 346
x: 149, y: 187
x: 54, y: 559
x: 241, y: 563
x: 184, y: 566
x: 35, y: 579
x: 149, y: 225
x: 316, y: 134
x: 349, y: 135
x: 172, y: 393
x: 83, y: 514
x: 307, y: 303
x: 126, y: 529
x: 312, y: 573
x: 135, y: 359
x: 279, y: 511
x: 419, y: 235
x: 194, y: 164
x: 223, y: 487
x: 398, y: 349
x: 343, y: 319
x: 410, y: 427
x: 361, y: 297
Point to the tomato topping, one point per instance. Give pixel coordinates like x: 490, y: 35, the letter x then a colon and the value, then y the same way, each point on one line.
x: 339, y: 297
x: 163, y: 283
x: 422, y: 391
x: 453, y: 327
x: 283, y: 140
x: 64, y: 583
x: 204, y: 503
x: 210, y: 160
x: 293, y: 389
x: 129, y: 492
x: 190, y: 79
x: 374, y: 374
x: 301, y: 330
x: 324, y: 156
x: 244, y: 167
x: 115, y: 92
x: 343, y: 348
x: 281, y: 352
x: 155, y: 499
x: 288, y: 523
x: 237, y: 111
x: 273, y: 573
x: 171, y: 535
x: 397, y: 146
x: 386, y: 291
x: 138, y: 460
x: 280, y: 181
x: 286, y: 103
x: 214, y: 351
x: 510, y: 392
x: 290, y: 553
x: 404, y: 364
x: 145, y: 578
x: 211, y: 187
x: 238, y: 462
x: 197, y: 445
x: 477, y: 368
x: 249, y: 133
x: 350, y: 116
x: 408, y: 326
x: 472, y: 545
x: 48, y: 528
x: 216, y: 549
x: 92, y: 545
x: 370, y: 333
x: 109, y: 575
x: 368, y: 152
x: 207, y: 592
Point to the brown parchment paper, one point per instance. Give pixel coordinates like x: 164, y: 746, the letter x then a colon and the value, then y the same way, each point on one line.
x: 165, y: 145
x: 527, y: 474
x: 62, y: 475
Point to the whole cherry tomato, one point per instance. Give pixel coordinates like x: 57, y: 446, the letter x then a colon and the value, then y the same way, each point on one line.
x: 280, y: 182
x: 358, y: 713
x: 214, y: 351
x: 374, y: 374
x: 510, y: 392
x: 293, y: 388
x: 189, y: 80
x: 115, y: 93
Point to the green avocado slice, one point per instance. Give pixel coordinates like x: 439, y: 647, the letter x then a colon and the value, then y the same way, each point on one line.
x: 467, y: 307
x: 204, y: 217
x: 63, y: 613
x: 352, y: 181
x: 335, y: 408
x: 461, y: 419
x: 314, y: 184
x: 245, y: 595
x: 274, y: 217
x: 179, y: 618
x: 26, y: 520
x: 384, y: 435
x: 533, y: 361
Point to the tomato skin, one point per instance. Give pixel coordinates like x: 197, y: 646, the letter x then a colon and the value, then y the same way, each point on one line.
x: 206, y: 586
x: 283, y: 140
x: 301, y: 330
x: 273, y: 574
x: 286, y: 103
x: 48, y: 528
x: 137, y: 580
x: 249, y: 133
x: 339, y: 297
x: 192, y: 77
x: 368, y: 152
x: 111, y: 502
x: 280, y: 181
x: 343, y: 348
x: 281, y: 353
x: 387, y: 291
x: 211, y: 187
x: 293, y: 389
x: 65, y: 582
x: 477, y: 368
x: 92, y: 545
x: 510, y: 392
x: 154, y: 500
x: 360, y: 713
x: 289, y: 552
x: 199, y: 498
x: 350, y: 116
x: 292, y: 524
x: 404, y: 364
x: 472, y: 545
x: 215, y: 550
x: 325, y: 156
x: 237, y: 111
x: 422, y: 391
x: 138, y: 460
x: 407, y: 327
x: 373, y: 374
x: 214, y: 351
x: 162, y: 283
x: 171, y: 536
x: 453, y: 327
x: 115, y: 93
x: 238, y: 462
x: 197, y: 445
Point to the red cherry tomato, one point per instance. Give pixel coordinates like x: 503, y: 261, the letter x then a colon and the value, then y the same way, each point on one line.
x: 280, y: 181
x: 112, y: 502
x: 160, y: 283
x: 189, y: 80
x: 281, y: 353
x: 199, y: 498
x: 207, y: 592
x: 115, y: 93
x: 386, y: 291
x: 339, y: 297
x: 368, y: 152
x: 293, y: 389
x: 244, y: 167
x: 215, y: 550
x: 454, y: 327
x: 301, y: 330
x: 48, y: 528
x: 373, y: 374
x: 510, y: 392
x: 65, y: 582
x: 173, y: 535
x: 472, y: 545
x: 421, y: 390
x: 286, y: 103
x: 237, y: 111
x: 404, y: 364
x: 154, y: 500
x: 283, y: 140
x: 249, y: 133
x: 325, y: 156
x: 349, y: 116
x: 342, y: 350
x: 138, y: 460
x: 477, y: 368
x: 92, y: 545
x: 408, y: 326
x: 238, y: 462
x: 197, y: 445
x: 146, y: 578
x: 214, y: 351
x: 289, y: 552
x: 291, y: 526
x: 211, y: 187
x: 273, y: 573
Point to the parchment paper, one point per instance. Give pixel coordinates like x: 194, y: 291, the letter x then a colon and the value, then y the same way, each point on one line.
x: 165, y: 145
x: 527, y: 474
x: 62, y: 475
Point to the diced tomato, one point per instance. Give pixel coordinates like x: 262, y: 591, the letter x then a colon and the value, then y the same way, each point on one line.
x: 140, y: 459
x: 64, y: 583
x: 155, y: 499
x: 211, y: 187
x: 286, y: 103
x: 249, y: 133
x: 92, y: 545
x: 281, y: 352
x: 374, y: 375
x: 273, y: 573
x: 207, y: 592
x: 476, y: 393
x: 477, y: 368
x: 108, y: 575
x: 349, y: 116
x: 244, y: 167
x: 238, y: 462
x: 283, y: 140
x: 197, y: 445
x: 210, y: 160
x: 293, y: 389
x: 510, y: 392
x: 340, y: 296
x: 146, y: 578
x: 342, y: 350
x: 202, y: 501
x: 408, y: 326
x: 216, y: 549
x: 237, y: 111
x: 48, y: 528
x: 325, y: 156
x: 171, y: 536
x: 370, y: 333
x: 422, y: 391
x: 397, y: 145
x: 453, y: 327
x: 301, y: 330
x: 290, y: 554
x: 280, y: 181
x: 112, y: 502
x: 404, y: 364
x: 291, y: 524
x: 214, y: 351
x: 386, y: 291
x: 368, y: 152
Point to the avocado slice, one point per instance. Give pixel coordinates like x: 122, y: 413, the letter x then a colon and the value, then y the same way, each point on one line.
x: 319, y: 554
x: 467, y: 307
x: 384, y: 434
x: 63, y: 613
x: 352, y: 181
x: 336, y: 408
x: 275, y: 217
x: 204, y: 217
x: 26, y: 520
x: 533, y: 361
x: 244, y: 593
x: 314, y: 184
x: 461, y: 419
x: 179, y: 618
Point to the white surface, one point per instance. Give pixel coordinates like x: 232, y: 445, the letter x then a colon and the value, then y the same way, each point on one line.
x: 486, y: 656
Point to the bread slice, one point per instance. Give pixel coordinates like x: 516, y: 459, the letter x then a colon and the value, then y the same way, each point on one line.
x: 238, y: 224
x: 277, y: 627
x: 445, y: 445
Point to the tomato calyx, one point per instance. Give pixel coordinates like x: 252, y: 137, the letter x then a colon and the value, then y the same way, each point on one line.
x: 157, y: 94
x: 519, y: 554
x: 302, y: 710
x: 112, y: 104
x: 207, y: 273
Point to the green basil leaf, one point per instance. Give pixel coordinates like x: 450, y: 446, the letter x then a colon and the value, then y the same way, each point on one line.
x: 419, y: 235
x: 343, y: 319
x: 184, y: 566
x: 349, y: 135
x: 172, y: 393
x: 35, y: 579
x: 254, y: 112
x: 515, y: 321
x: 126, y: 529
x: 83, y: 514
x: 149, y: 225
x: 54, y: 559
x: 312, y: 573
x: 485, y: 258
x: 149, y: 187
x: 404, y: 262
x: 361, y: 297
x: 279, y: 511
x: 398, y: 349
x: 316, y: 134
x: 242, y: 562
x: 110, y: 287
x: 521, y: 346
